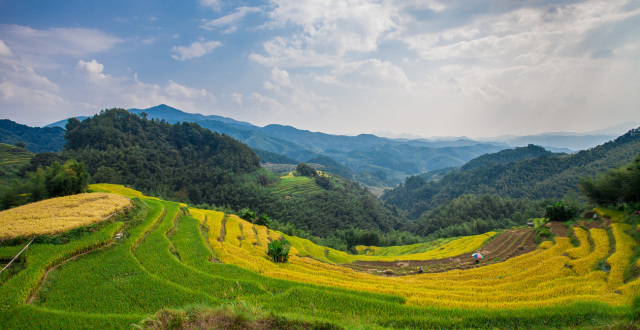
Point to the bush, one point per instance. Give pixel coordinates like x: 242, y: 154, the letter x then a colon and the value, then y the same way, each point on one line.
x: 279, y: 250
x: 542, y: 234
x: 560, y: 212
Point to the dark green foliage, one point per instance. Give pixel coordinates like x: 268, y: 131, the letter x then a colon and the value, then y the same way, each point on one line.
x: 324, y: 182
x: 306, y: 170
x: 188, y: 163
x: 53, y: 181
x: 332, y: 166
x: 36, y: 139
x: 183, y: 161
x: 508, y: 156
x: 474, y: 214
x: 542, y: 233
x: 616, y: 186
x: 12, y: 160
x: 560, y: 212
x: 248, y: 215
x: 262, y: 220
x: 274, y: 158
x: 538, y: 178
x: 278, y: 250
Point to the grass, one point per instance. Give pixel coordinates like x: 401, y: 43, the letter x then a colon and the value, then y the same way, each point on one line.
x: 12, y: 159
x: 291, y: 185
x: 138, y: 280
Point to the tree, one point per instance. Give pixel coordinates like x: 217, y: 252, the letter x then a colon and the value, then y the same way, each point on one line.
x: 306, y: 170
x: 559, y: 212
x: 621, y: 185
x: 278, y: 250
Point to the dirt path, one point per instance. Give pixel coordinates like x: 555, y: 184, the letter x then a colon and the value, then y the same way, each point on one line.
x: 509, y: 244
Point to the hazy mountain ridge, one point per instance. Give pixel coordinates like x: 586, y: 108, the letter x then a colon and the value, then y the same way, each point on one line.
x: 535, y: 178
x: 389, y: 160
x: 36, y: 139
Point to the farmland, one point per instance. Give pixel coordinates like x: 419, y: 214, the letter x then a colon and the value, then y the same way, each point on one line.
x: 60, y: 214
x: 290, y: 185
x: 173, y: 256
x: 11, y: 159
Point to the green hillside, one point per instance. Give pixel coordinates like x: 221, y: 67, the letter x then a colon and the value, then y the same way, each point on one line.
x: 12, y: 159
x: 537, y: 178
x: 36, y: 139
x: 152, y: 267
x: 188, y: 163
x: 292, y: 185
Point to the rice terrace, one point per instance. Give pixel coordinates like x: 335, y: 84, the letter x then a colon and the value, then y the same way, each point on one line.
x: 165, y: 262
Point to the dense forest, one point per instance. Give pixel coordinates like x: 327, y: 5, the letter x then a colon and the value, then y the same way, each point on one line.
x: 36, y: 139
x: 508, y: 156
x: 537, y: 178
x: 188, y: 163
x: 476, y: 214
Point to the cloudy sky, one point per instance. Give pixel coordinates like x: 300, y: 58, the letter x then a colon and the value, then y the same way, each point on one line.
x: 424, y: 67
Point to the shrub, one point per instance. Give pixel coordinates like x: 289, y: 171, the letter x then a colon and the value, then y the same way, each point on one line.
x: 559, y: 212
x: 279, y: 250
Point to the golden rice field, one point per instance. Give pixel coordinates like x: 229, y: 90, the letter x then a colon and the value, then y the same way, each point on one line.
x: 60, y: 214
x: 556, y: 274
x: 174, y: 256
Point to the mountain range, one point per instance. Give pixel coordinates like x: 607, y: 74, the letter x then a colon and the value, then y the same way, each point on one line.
x: 373, y: 160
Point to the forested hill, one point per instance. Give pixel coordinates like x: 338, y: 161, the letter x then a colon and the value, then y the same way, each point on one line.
x: 188, y: 163
x: 181, y: 160
x: 541, y: 177
x: 508, y: 156
x: 36, y: 139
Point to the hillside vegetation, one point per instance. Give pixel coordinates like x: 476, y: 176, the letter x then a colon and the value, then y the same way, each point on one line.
x: 36, y: 139
x: 537, y: 178
x: 162, y: 266
x: 187, y: 163
x: 12, y: 159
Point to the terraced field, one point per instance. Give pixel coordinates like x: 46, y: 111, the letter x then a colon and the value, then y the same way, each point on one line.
x: 509, y: 244
x: 290, y: 185
x: 173, y: 256
x: 11, y: 159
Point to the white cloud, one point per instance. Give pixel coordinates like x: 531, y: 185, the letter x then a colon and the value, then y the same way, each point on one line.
x: 236, y: 98
x: 26, y: 96
x: 371, y: 73
x: 92, y: 69
x: 551, y: 30
x: 56, y: 41
x: 229, y: 21
x: 4, y: 49
x: 195, y: 50
x: 327, y: 30
x: 109, y: 91
x: 213, y: 4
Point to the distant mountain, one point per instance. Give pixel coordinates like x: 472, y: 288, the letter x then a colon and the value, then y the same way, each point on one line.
x: 389, y: 161
x: 537, y: 178
x: 36, y: 139
x: 508, y: 156
x: 173, y: 115
x: 373, y: 160
x: 62, y: 123
x: 557, y: 142
x: 188, y: 163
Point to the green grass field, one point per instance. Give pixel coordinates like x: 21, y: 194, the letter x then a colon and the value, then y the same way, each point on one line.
x: 11, y: 160
x: 291, y: 185
x: 166, y: 260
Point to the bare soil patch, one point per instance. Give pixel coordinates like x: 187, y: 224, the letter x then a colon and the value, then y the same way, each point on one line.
x: 509, y: 244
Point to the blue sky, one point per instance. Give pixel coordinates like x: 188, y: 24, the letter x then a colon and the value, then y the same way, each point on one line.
x: 427, y: 67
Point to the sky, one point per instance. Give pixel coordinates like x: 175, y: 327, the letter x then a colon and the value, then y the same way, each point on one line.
x: 474, y: 68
